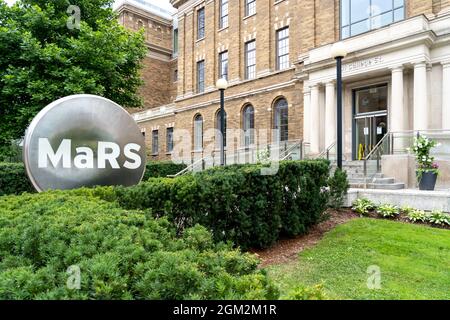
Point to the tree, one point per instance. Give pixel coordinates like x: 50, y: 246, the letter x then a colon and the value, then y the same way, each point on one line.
x: 42, y: 59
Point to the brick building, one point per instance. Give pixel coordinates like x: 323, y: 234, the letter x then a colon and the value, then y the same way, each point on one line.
x: 275, y: 55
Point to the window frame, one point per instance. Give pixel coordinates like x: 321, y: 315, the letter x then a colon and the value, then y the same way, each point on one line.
x: 198, y: 120
x: 247, y: 8
x: 201, y: 27
x: 200, y: 76
x: 169, y: 139
x: 246, y: 57
x: 277, y: 115
x: 369, y: 18
x: 278, y: 57
x: 155, y: 142
x: 224, y: 18
x: 221, y: 65
x: 250, y: 131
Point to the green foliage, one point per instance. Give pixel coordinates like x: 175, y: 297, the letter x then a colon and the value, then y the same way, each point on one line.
x: 306, y: 293
x: 407, y: 210
x: 43, y: 60
x: 422, y: 148
x: 439, y: 218
x: 417, y: 216
x: 388, y: 211
x: 162, y: 169
x: 120, y: 254
x: 339, y: 186
x: 13, y: 179
x: 238, y: 203
x: 363, y: 206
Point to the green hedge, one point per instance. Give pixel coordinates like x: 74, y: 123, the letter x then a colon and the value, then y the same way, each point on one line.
x: 162, y: 169
x: 46, y: 238
x: 237, y: 203
x: 13, y: 179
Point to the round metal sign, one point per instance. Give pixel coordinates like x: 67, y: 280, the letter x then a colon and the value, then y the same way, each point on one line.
x: 83, y: 141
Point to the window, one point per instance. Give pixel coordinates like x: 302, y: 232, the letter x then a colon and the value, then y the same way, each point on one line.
x: 155, y: 143
x: 198, y: 133
x: 250, y: 60
x: 223, y: 65
x: 169, y: 139
x: 359, y: 16
x: 248, y: 124
x: 250, y: 7
x: 201, y: 23
x: 201, y: 76
x: 175, y: 42
x: 281, y: 120
x: 283, y: 49
x: 218, y: 131
x: 223, y: 20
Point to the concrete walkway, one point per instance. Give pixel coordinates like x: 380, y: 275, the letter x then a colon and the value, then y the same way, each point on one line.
x: 422, y: 200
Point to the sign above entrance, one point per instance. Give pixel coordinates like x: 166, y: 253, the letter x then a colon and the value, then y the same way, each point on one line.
x: 362, y: 64
x: 83, y: 141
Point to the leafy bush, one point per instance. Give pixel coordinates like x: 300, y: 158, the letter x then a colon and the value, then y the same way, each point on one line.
x: 120, y: 254
x: 306, y: 293
x: 407, y: 210
x: 238, y: 203
x: 13, y: 179
x: 388, y: 211
x: 161, y: 169
x: 363, y: 206
x: 417, y: 216
x: 439, y: 218
x: 339, y: 186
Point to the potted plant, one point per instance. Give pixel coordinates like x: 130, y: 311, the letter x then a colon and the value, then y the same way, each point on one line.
x: 427, y: 170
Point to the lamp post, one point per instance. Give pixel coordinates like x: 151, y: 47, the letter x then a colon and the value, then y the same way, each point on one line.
x: 222, y: 85
x: 339, y: 52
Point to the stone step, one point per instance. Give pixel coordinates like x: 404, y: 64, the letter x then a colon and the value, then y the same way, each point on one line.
x: 391, y: 186
x: 384, y: 181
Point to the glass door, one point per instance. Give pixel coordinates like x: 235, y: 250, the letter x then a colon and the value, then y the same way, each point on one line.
x: 370, y: 119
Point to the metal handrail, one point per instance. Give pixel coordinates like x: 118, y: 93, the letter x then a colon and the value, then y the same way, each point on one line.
x: 289, y: 151
x: 327, y: 151
x: 371, y: 153
x: 189, y: 168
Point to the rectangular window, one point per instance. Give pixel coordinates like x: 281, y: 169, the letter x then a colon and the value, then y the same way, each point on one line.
x: 201, y: 76
x: 250, y: 60
x: 175, y: 42
x: 223, y: 16
x: 169, y: 139
x: 155, y: 142
x: 283, y: 49
x: 250, y: 7
x: 201, y: 23
x: 359, y: 16
x: 223, y: 65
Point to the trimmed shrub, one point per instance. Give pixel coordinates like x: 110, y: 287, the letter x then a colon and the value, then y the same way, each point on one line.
x: 162, y: 169
x: 338, y: 185
x: 46, y: 239
x: 238, y: 203
x: 13, y: 179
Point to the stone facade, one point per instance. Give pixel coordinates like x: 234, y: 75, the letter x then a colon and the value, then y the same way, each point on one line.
x: 313, y: 24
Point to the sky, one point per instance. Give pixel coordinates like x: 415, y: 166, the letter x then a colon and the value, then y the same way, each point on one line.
x: 165, y: 4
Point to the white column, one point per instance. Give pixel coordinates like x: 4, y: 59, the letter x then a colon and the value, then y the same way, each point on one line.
x: 307, y: 116
x: 420, y: 97
x: 315, y: 117
x: 446, y: 95
x: 330, y: 114
x: 397, y: 121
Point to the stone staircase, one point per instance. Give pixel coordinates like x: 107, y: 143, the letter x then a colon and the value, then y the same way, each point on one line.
x: 355, y: 173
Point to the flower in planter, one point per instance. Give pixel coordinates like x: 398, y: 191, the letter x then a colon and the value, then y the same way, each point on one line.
x: 421, y: 148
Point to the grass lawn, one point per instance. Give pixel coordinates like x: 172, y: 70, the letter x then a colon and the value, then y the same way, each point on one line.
x: 414, y: 262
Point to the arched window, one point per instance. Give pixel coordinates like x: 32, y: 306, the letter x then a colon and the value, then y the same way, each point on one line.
x: 198, y: 133
x: 248, y: 125
x: 281, y: 120
x: 218, y: 131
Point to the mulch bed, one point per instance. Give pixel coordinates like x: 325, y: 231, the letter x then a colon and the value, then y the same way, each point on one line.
x: 287, y: 250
